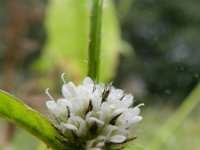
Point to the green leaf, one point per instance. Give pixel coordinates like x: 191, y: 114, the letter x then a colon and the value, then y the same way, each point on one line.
x: 18, y: 113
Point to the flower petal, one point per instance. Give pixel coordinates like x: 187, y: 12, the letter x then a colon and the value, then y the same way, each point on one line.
x: 127, y: 100
x: 51, y: 105
x: 135, y: 119
x: 70, y: 126
x: 69, y: 90
x: 93, y: 119
x: 88, y: 81
x: 117, y: 139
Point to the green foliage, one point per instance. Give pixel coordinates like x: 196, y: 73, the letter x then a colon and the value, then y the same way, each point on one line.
x: 67, y: 23
x: 13, y: 110
x: 184, y: 137
x: 176, y: 119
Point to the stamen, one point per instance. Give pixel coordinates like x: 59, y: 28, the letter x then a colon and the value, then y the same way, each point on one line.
x: 63, y: 77
x: 142, y: 104
x: 47, y: 92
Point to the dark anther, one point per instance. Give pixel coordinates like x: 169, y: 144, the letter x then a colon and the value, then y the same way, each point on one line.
x: 94, y: 88
x: 93, y: 128
x: 106, y: 93
x: 129, y: 139
x: 90, y: 107
x: 121, y: 97
x: 74, y: 135
x: 113, y: 120
x: 68, y: 111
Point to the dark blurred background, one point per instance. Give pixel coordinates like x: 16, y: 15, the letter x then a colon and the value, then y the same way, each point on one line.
x: 165, y: 37
x: 22, y: 36
x: 151, y: 48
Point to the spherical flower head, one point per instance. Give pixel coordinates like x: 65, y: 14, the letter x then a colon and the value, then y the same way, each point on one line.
x: 93, y: 116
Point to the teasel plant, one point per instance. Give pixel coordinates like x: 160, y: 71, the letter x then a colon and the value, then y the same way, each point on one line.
x: 90, y: 116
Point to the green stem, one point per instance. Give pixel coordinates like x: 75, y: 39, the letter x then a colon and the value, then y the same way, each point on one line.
x: 95, y: 39
x: 183, y: 111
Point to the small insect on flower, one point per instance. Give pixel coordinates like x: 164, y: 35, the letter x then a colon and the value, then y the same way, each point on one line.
x: 92, y: 116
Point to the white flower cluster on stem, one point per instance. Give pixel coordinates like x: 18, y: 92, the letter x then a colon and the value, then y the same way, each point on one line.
x: 90, y: 115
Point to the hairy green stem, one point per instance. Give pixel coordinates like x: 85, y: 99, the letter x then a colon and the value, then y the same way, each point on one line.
x: 182, y: 112
x: 95, y: 39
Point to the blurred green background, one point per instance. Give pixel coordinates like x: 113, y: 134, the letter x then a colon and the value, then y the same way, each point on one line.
x: 149, y: 48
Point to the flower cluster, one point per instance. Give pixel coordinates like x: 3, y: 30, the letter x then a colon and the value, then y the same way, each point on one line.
x: 92, y: 116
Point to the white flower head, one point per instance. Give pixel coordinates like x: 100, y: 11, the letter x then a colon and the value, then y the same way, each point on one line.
x: 93, y: 115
